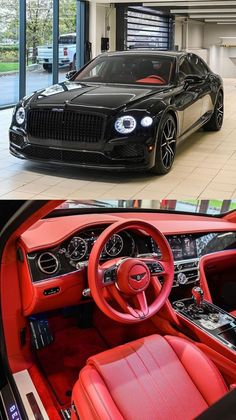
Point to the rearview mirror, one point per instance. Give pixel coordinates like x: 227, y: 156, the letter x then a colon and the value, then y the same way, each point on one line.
x: 193, y: 79
x: 70, y: 74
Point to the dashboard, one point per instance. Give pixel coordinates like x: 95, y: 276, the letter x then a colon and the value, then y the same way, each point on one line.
x: 73, y: 253
x: 53, y: 255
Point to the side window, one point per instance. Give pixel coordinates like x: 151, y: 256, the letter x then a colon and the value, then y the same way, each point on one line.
x: 197, y: 65
x: 184, y: 69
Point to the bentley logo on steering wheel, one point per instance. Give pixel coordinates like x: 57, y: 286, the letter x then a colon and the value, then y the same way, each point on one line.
x: 138, y: 277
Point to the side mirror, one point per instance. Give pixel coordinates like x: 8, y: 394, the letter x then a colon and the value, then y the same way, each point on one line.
x: 193, y: 79
x: 70, y: 74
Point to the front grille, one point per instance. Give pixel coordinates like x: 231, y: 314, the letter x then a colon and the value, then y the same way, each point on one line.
x: 66, y: 126
x: 128, y: 151
x: 73, y: 156
x: 69, y: 156
x: 17, y: 139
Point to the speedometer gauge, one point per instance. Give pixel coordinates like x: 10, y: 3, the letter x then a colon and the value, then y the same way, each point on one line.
x: 77, y: 248
x: 114, y: 246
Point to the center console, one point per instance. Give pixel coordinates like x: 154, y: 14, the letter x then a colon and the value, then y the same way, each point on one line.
x: 186, y: 272
x: 211, y: 319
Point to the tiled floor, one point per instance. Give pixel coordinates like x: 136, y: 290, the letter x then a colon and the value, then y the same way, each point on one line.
x: 205, y: 167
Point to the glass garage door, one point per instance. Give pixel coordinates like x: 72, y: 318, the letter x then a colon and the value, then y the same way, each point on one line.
x: 147, y: 29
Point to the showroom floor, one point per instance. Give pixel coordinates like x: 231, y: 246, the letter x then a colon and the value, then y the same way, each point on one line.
x: 205, y: 167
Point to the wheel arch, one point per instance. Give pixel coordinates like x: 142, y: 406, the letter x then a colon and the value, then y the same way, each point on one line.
x: 172, y: 112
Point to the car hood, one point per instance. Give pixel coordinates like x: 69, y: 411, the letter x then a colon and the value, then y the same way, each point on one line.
x: 99, y: 97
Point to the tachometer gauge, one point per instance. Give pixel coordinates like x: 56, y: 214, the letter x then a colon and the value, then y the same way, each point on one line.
x: 114, y: 246
x: 77, y: 249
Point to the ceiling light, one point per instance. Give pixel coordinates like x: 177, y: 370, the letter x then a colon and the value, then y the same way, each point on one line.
x: 190, y: 3
x: 179, y: 11
x: 212, y: 16
x: 221, y: 20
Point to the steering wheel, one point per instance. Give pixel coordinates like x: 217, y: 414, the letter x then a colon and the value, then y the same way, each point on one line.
x: 125, y: 281
x: 155, y: 76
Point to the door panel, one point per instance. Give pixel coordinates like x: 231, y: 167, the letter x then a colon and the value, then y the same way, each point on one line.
x: 190, y: 99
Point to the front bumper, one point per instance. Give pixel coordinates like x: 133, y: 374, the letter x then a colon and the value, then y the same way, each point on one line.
x: 136, y: 154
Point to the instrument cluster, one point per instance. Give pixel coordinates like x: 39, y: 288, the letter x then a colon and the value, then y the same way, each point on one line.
x: 79, y: 246
x: 73, y: 254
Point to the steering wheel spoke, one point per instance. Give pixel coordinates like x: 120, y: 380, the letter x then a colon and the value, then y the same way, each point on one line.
x: 108, y: 272
x: 156, y: 267
x: 141, y: 300
x: 124, y: 304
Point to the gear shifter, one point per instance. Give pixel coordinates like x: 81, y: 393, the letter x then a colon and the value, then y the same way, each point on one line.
x: 198, y: 295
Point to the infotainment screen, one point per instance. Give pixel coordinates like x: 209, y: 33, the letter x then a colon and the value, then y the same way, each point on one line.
x: 183, y: 246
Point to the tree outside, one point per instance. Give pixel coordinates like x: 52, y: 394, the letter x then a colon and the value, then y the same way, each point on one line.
x: 39, y: 28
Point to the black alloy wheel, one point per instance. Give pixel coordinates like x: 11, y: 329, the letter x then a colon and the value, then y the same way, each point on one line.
x: 217, y: 118
x: 220, y: 109
x: 166, y: 146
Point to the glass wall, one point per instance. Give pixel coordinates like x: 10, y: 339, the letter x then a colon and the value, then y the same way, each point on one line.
x: 39, y: 16
x: 9, y: 52
x: 38, y: 25
x: 67, y: 37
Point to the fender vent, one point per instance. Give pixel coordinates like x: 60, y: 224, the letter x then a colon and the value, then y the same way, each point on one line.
x: 48, y: 263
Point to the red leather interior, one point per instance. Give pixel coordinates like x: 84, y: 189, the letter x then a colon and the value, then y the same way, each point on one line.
x: 50, y: 232
x: 95, y: 279
x: 32, y: 294
x: 215, y: 271
x: 154, y: 377
x: 19, y: 357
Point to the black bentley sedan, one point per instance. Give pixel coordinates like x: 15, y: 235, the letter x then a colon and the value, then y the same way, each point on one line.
x: 122, y: 111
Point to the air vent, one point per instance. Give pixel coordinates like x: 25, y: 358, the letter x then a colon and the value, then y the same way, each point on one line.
x: 48, y: 263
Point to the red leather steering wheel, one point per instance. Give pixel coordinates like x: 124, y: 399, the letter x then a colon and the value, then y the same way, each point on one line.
x: 155, y: 76
x: 124, y: 281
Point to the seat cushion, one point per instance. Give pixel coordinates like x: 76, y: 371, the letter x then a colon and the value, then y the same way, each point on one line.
x: 151, y: 378
x: 233, y: 313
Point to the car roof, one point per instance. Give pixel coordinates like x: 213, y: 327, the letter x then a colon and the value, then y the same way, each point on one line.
x: 148, y: 52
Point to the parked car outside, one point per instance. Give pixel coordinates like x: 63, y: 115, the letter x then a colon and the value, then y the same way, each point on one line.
x: 67, y: 52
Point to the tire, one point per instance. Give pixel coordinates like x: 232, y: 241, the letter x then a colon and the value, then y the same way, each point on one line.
x: 74, y: 63
x: 216, y: 121
x: 47, y: 67
x: 165, y: 146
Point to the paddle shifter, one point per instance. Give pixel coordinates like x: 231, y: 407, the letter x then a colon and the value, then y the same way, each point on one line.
x: 198, y: 295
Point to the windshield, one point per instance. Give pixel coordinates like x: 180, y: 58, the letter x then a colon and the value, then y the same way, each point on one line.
x: 129, y: 69
x: 208, y: 207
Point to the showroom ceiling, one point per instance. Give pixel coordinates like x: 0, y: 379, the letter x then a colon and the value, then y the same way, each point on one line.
x: 216, y: 11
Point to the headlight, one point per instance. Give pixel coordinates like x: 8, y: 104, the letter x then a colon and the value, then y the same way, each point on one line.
x: 146, y: 121
x: 125, y: 124
x: 20, y: 115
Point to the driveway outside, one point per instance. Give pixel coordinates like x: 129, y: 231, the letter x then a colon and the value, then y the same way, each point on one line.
x: 35, y: 79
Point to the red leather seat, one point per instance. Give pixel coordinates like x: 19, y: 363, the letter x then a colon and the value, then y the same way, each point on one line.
x: 233, y: 313
x: 151, y: 378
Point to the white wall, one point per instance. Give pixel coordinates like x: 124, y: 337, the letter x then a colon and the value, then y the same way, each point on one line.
x: 195, y: 34
x: 212, y: 33
x: 105, y: 17
x: 222, y: 60
x: 178, y: 34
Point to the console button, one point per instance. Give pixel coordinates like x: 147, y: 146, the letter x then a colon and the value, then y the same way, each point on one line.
x: 214, y: 317
x: 179, y: 305
x: 182, y: 278
x: 51, y: 291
